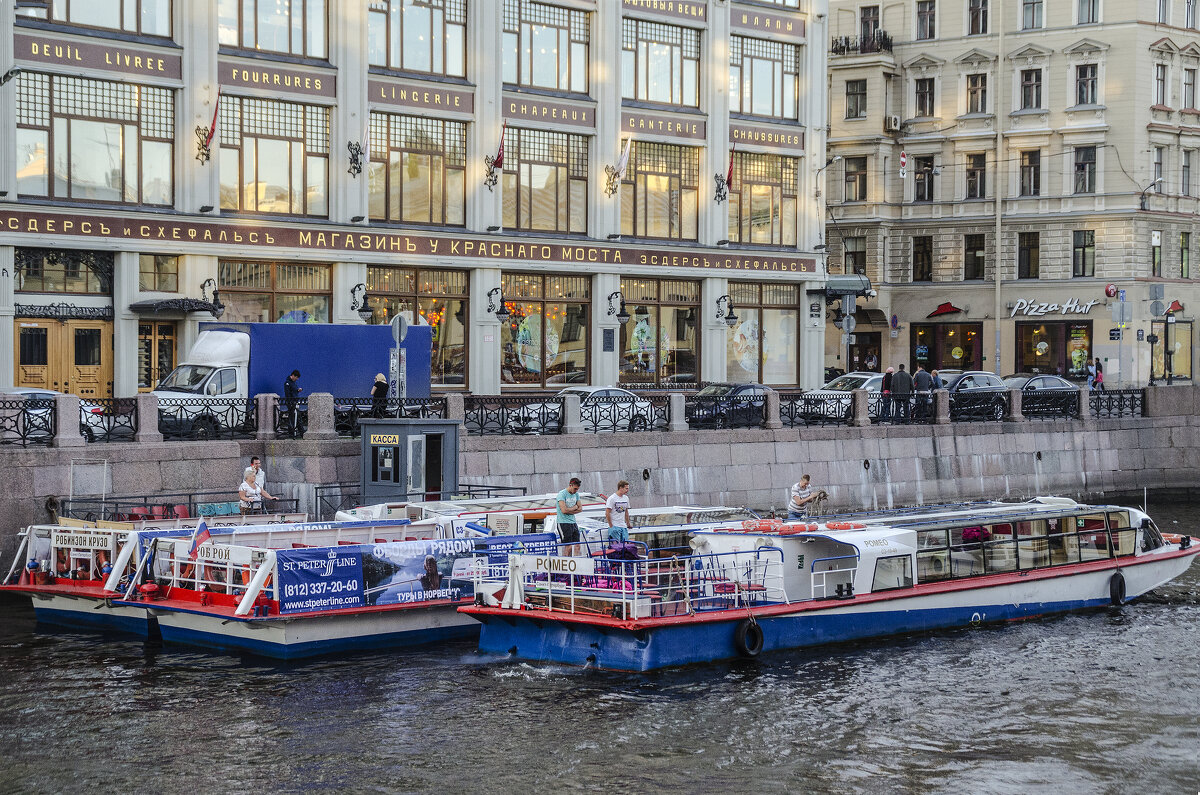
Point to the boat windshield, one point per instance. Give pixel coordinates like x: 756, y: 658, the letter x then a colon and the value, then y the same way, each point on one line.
x: 186, y: 378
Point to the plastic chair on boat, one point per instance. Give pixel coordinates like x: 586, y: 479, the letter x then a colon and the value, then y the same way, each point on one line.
x: 180, y: 511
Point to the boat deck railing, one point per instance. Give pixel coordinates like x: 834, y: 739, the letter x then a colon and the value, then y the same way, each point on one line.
x: 626, y: 581
x: 832, y: 577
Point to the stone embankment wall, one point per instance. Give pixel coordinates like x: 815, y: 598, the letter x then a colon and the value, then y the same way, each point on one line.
x: 869, y: 467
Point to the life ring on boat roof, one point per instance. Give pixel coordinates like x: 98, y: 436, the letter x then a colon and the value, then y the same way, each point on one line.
x: 845, y: 525
x: 1116, y: 589
x: 762, y: 525
x: 748, y: 638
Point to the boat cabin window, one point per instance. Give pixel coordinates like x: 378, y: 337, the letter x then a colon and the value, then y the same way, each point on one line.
x: 1151, y: 537
x: 1124, y: 537
x: 892, y: 572
x: 1001, y: 552
x: 1093, y: 536
x: 933, y: 556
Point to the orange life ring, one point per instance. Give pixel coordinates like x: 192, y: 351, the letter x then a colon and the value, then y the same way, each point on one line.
x: 844, y: 525
x: 1172, y: 538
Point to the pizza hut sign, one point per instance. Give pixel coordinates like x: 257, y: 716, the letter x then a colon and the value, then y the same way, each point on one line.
x: 1071, y: 306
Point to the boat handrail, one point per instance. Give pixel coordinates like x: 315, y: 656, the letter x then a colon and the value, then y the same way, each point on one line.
x: 19, y: 556
x: 265, y: 569
x: 823, y: 575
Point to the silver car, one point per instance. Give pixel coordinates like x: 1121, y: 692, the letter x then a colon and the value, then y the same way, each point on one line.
x: 601, y: 408
x: 833, y: 403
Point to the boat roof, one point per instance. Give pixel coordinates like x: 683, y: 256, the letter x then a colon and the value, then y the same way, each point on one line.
x: 985, y: 512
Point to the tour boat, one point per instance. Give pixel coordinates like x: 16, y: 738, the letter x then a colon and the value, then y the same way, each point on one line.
x: 767, y: 585
x: 309, y: 600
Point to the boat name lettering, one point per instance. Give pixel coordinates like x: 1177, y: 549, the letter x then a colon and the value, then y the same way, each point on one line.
x: 211, y: 552
x: 385, y: 438
x: 1071, y: 306
x: 876, y: 542
x: 81, y: 540
x: 551, y: 564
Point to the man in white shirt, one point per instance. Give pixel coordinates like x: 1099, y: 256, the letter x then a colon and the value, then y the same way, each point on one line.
x: 616, y: 513
x: 800, y: 496
x: 260, y: 477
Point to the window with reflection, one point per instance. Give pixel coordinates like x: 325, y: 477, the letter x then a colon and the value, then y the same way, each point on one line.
x: 295, y: 27
x: 416, y: 172
x: 544, y: 340
x: 762, y: 199
x: 764, y: 77
x: 156, y: 353
x: 1175, y: 337
x: 434, y: 298
x: 146, y: 17
x: 660, y: 344
x: 660, y: 63
x: 51, y: 270
x: 546, y: 46
x: 94, y: 140
x: 545, y: 181
x: 274, y: 156
x: 659, y: 193
x: 159, y: 272
x: 274, y: 292
x: 418, y: 35
x: 764, y: 344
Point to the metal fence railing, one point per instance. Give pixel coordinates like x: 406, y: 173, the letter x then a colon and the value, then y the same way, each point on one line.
x: 500, y: 415
x: 347, y: 411
x: 27, y: 421
x: 170, y: 505
x: 642, y: 413
x: 1050, y: 404
x: 979, y: 405
x: 815, y: 408
x: 334, y: 497
x: 108, y: 419
x: 207, y: 418
x: 725, y: 412
x: 291, y: 422
x: 1117, y: 403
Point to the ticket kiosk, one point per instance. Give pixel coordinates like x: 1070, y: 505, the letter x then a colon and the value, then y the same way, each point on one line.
x: 408, y: 459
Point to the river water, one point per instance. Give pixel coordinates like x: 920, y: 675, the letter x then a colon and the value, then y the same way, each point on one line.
x: 1103, y: 701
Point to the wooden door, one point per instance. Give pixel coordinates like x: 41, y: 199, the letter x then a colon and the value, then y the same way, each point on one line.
x: 73, y: 356
x: 35, y: 340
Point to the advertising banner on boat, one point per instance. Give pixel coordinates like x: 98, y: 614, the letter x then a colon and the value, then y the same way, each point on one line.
x: 321, y: 578
x: 500, y: 547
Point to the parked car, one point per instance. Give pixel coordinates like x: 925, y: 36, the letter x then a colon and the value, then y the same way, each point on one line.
x: 601, y: 408
x: 832, y: 401
x: 1045, y: 395
x: 727, y: 406
x: 92, y: 422
x: 975, y: 394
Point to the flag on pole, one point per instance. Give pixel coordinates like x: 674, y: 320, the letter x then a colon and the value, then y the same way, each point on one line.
x: 212, y: 128
x: 623, y: 160
x: 499, y: 161
x: 729, y: 172
x: 201, y: 536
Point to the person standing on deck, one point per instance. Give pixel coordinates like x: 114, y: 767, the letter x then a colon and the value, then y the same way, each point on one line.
x: 616, y: 513
x: 569, y: 505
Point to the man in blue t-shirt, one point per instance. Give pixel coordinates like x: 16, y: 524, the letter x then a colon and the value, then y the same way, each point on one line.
x: 568, y: 506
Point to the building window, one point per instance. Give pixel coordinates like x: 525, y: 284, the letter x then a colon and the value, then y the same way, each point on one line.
x: 1157, y: 185
x: 1185, y: 255
x: 275, y: 292
x: 417, y: 170
x: 433, y: 298
x: 856, y: 179
x: 1031, y: 14
x: 973, y: 256
x: 1189, y: 88
x: 924, y: 93
x: 44, y: 270
x: 1160, y: 84
x: 1174, y: 337
x: 1029, y: 255
x: 1156, y: 259
x: 976, y: 176
x: 1164, y: 11
x: 660, y: 63
x: 1085, y: 84
x: 922, y: 259
x: 764, y: 78
x: 856, y: 99
x: 762, y: 199
x: 1083, y: 253
x: 427, y: 36
x: 1031, y: 89
x: 926, y: 19
x: 1031, y: 172
x: 855, y: 250
x: 977, y: 93
x: 923, y: 178
x: 1185, y: 172
x: 660, y: 344
x: 545, y: 181
x: 95, y: 140
x: 1085, y: 169
x: 659, y: 197
x: 147, y: 17
x: 1089, y: 11
x: 544, y: 341
x: 274, y: 156
x: 158, y: 272
x: 764, y: 345
x: 977, y: 17
x: 546, y: 46
x: 868, y: 26
x: 295, y: 27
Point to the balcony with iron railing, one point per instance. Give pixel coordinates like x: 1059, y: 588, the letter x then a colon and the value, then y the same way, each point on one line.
x: 879, y: 42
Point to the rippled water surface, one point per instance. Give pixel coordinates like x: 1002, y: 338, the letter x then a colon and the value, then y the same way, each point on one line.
x: 1104, y: 701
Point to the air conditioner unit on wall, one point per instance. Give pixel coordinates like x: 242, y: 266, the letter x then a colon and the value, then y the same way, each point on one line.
x: 891, y: 123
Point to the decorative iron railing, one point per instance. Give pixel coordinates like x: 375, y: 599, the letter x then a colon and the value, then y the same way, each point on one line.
x: 347, y: 411
x: 861, y: 45
x: 27, y: 421
x: 207, y: 418
x: 503, y: 415
x: 915, y: 408
x: 725, y: 412
x: 815, y: 408
x: 291, y: 422
x: 1050, y: 404
x: 108, y: 419
x: 1117, y: 403
x: 979, y: 405
x: 642, y: 413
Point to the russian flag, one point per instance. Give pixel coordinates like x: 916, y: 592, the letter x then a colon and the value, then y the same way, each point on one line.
x: 201, y: 536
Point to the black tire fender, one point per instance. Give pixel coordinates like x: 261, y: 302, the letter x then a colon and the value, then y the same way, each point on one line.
x: 748, y: 638
x: 1116, y: 589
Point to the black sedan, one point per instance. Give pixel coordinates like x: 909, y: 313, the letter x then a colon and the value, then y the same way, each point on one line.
x: 727, y: 406
x: 1045, y: 395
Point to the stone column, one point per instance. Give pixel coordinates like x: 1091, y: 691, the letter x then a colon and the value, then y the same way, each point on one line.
x: 570, y: 420
x: 606, y: 146
x: 265, y: 407
x: 712, y: 330
x: 606, y: 365
x: 1014, y: 407
x: 771, y: 420
x: 320, y: 417
x: 66, y: 410
x: 125, y: 325
x: 8, y: 342
x: 486, y: 338
x: 859, y: 402
x: 1085, y: 406
x: 941, y: 407
x: 8, y: 120
x: 199, y: 183
x: 348, y: 117
x: 678, y: 412
x: 147, y: 418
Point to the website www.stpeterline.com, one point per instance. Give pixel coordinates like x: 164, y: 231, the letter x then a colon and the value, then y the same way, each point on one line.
x: 325, y: 603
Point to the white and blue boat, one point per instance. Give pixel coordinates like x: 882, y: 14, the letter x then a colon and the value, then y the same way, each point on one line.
x: 767, y: 585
